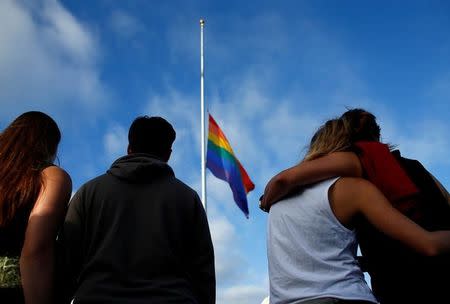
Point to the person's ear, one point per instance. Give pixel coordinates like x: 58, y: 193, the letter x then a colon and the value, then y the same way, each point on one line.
x: 129, y: 151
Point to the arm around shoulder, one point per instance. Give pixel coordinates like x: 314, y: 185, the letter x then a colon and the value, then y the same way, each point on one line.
x: 360, y: 196
x: 308, y: 172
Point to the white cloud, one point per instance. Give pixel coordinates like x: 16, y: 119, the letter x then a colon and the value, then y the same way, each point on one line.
x: 176, y: 106
x: 425, y: 140
x: 124, y: 24
x: 115, y: 142
x: 243, y: 294
x: 219, y: 193
x: 65, y: 31
x: 47, y: 57
x: 229, y: 261
x: 290, y: 131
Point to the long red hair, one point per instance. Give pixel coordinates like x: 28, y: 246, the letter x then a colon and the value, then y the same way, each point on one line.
x: 27, y: 145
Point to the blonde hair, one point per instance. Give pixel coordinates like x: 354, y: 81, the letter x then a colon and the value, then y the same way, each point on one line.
x: 332, y: 136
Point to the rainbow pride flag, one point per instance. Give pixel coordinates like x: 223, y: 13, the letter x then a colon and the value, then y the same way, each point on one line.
x: 222, y: 162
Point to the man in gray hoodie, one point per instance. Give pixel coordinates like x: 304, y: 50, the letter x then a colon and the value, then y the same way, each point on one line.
x: 137, y: 234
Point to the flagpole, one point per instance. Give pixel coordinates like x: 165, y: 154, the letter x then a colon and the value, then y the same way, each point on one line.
x: 202, y: 109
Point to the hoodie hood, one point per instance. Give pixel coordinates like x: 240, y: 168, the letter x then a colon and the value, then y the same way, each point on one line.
x: 140, y: 167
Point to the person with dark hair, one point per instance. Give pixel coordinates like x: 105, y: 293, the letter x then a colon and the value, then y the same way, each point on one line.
x: 33, y: 198
x: 137, y: 234
x: 159, y: 144
x: 398, y: 275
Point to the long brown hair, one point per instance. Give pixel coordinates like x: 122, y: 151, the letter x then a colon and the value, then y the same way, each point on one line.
x: 332, y: 136
x: 27, y: 145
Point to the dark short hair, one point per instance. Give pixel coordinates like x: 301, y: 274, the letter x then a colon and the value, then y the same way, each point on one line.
x: 362, y: 125
x: 152, y: 135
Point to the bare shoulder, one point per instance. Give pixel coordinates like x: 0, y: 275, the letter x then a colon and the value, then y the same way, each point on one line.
x: 55, y: 173
x: 350, y: 196
x: 349, y: 186
x: 358, y: 192
x: 55, y: 176
x: 55, y: 193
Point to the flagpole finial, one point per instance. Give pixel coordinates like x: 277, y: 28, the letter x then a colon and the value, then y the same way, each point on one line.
x: 202, y: 22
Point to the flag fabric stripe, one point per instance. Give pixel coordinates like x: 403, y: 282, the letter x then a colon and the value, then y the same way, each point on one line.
x: 232, y: 172
x: 225, y: 168
x: 220, y: 142
x: 222, y: 162
x: 219, y: 155
x: 216, y: 135
x: 248, y: 184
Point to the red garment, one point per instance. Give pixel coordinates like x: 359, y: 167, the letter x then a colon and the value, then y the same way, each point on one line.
x: 383, y: 170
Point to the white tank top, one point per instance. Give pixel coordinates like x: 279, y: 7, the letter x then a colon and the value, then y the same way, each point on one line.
x: 311, y: 254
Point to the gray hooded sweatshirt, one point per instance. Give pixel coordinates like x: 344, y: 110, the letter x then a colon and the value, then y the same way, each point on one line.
x: 138, y: 235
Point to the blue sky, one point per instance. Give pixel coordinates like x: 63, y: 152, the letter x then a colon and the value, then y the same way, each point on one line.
x: 274, y: 73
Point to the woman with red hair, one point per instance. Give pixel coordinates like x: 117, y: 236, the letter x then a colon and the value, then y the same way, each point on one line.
x: 33, y: 198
